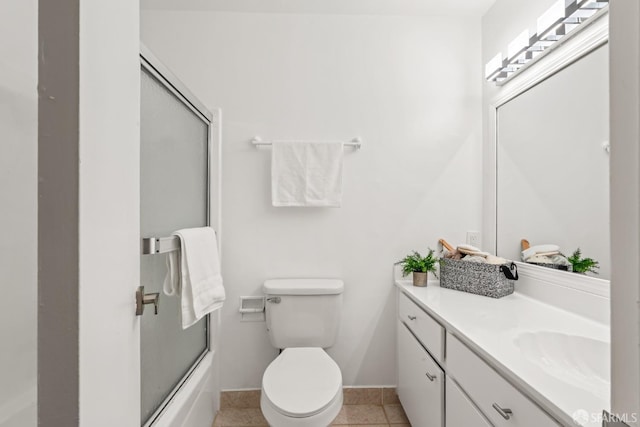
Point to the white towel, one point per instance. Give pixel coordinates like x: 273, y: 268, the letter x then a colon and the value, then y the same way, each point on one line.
x: 540, y: 250
x: 306, y: 174
x: 194, y: 274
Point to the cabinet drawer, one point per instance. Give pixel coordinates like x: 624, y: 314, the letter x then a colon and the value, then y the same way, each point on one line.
x: 460, y: 411
x: 490, y: 391
x: 420, y: 382
x: 428, y: 331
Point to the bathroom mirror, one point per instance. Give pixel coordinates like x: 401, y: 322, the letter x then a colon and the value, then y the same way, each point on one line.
x: 552, y: 154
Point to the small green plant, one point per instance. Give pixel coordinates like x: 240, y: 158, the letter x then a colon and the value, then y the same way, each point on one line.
x: 419, y: 264
x: 583, y: 265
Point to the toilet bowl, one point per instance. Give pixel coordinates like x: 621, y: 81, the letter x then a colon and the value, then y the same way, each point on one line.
x: 302, y: 387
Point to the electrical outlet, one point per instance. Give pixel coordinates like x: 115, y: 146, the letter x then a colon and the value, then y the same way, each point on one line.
x: 473, y: 239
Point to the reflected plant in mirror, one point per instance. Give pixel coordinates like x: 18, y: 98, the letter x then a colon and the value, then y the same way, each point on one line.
x: 583, y: 265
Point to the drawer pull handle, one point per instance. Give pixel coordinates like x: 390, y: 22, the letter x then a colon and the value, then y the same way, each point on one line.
x: 411, y: 317
x: 432, y: 378
x: 506, y: 413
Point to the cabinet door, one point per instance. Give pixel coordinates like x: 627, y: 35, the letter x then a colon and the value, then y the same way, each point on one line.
x: 460, y: 412
x: 490, y: 391
x: 423, y: 326
x: 420, y: 382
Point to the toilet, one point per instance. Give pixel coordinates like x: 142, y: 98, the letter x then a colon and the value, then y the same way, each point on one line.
x: 302, y: 387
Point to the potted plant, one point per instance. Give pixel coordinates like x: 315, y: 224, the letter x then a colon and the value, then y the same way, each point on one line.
x: 420, y: 266
x: 583, y: 265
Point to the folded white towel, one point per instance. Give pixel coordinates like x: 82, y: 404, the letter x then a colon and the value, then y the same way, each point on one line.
x: 496, y: 260
x: 471, y: 250
x: 539, y: 249
x: 306, y: 174
x: 194, y: 274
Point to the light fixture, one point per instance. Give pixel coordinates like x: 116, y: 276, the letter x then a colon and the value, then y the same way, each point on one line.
x: 553, y: 17
x: 518, y: 46
x: 559, y: 20
x: 493, y: 67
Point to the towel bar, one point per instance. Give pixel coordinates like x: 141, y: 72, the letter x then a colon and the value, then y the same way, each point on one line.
x: 355, y: 142
x: 159, y: 245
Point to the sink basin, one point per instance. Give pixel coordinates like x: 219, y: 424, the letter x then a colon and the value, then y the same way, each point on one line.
x: 580, y: 361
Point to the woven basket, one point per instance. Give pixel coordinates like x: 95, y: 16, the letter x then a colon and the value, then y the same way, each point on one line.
x: 495, y: 281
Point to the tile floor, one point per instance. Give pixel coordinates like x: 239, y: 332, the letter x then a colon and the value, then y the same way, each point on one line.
x: 372, y: 407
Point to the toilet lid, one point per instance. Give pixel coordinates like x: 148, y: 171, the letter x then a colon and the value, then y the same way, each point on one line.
x: 302, y: 382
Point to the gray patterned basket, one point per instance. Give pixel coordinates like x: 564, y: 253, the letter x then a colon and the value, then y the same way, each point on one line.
x: 495, y: 281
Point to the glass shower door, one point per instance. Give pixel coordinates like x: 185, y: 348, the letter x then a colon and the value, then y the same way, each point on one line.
x: 173, y: 195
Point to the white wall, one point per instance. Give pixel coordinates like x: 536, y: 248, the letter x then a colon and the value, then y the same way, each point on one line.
x: 18, y: 214
x: 410, y: 86
x: 109, y: 203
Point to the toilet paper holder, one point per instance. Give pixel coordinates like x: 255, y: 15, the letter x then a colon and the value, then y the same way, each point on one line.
x: 249, y: 304
x: 252, y: 309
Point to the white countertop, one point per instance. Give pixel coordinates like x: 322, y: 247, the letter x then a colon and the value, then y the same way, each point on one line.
x: 493, y: 328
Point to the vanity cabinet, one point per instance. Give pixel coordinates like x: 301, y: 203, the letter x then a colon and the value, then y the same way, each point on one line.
x: 435, y: 367
x: 420, y: 382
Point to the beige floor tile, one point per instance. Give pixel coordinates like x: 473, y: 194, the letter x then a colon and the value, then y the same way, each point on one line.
x: 390, y: 396
x: 235, y: 417
x: 362, y: 396
x: 240, y: 399
x: 360, y: 414
x: 395, y: 414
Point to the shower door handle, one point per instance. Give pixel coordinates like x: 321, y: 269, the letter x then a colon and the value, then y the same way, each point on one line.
x: 143, y: 299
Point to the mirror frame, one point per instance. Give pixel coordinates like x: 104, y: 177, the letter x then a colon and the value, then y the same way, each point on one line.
x: 589, y: 36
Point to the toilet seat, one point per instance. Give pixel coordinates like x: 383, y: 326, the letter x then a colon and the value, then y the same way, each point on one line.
x: 302, y: 382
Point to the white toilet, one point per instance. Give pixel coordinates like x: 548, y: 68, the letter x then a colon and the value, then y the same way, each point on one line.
x: 302, y: 387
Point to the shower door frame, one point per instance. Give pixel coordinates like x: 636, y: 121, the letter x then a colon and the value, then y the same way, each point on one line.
x: 192, y: 383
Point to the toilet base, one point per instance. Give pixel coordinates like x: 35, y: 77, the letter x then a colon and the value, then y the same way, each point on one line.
x: 322, y: 419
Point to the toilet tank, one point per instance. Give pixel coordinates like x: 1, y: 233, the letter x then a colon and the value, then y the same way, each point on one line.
x: 303, y: 312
